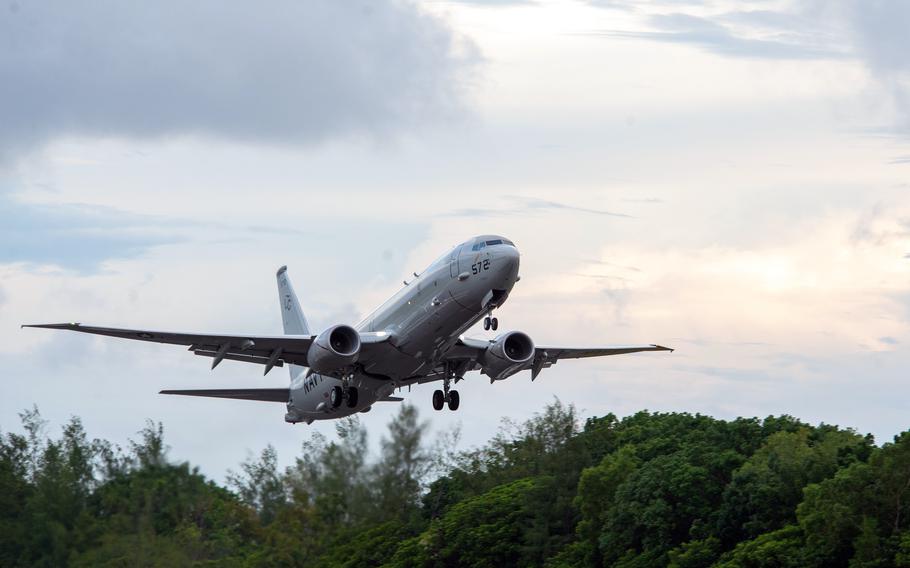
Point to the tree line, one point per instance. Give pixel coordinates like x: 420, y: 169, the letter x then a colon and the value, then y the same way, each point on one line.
x: 651, y: 489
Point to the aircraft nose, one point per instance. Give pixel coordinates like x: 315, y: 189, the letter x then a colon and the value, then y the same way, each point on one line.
x: 510, y: 258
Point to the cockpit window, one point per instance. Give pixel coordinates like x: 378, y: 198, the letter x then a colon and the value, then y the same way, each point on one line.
x: 492, y: 242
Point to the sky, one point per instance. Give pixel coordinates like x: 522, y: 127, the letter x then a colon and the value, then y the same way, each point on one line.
x: 731, y: 179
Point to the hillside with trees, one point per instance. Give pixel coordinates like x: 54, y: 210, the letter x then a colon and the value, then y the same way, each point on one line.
x: 652, y: 489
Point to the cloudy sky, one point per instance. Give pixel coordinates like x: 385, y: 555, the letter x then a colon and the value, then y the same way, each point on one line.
x: 730, y: 179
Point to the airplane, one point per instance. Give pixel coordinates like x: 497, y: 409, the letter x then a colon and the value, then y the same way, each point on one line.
x: 415, y: 337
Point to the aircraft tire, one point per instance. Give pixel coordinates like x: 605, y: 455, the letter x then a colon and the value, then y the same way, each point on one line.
x: 438, y: 400
x: 486, y: 324
x: 454, y: 400
x: 352, y: 397
x: 494, y: 324
x: 336, y: 397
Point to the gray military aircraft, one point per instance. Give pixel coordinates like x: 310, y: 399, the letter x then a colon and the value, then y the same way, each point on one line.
x: 413, y: 338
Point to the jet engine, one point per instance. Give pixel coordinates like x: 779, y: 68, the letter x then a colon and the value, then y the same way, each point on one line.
x: 334, y: 349
x: 506, y: 355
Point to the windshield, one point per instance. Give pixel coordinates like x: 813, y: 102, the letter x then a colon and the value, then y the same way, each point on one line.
x: 491, y: 242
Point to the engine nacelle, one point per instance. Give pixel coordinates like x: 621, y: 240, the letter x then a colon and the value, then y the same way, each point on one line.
x: 334, y: 349
x: 507, y: 355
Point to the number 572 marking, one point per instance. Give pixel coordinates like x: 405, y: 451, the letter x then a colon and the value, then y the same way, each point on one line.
x: 478, y: 267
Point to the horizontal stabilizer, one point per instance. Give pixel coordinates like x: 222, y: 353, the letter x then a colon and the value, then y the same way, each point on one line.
x: 267, y: 395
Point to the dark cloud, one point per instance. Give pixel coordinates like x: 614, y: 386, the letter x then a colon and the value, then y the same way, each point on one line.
x: 706, y: 342
x: 76, y: 237
x: 873, y: 31
x: 497, y: 3
x: 868, y: 230
x: 611, y: 264
x: 531, y: 203
x: 81, y: 237
x: 598, y: 276
x: 878, y: 30
x: 739, y: 34
x: 643, y: 200
x: 519, y: 205
x: 634, y: 5
x: 283, y: 71
x: 732, y: 373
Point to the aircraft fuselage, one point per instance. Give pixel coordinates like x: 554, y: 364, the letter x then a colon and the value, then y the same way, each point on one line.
x: 423, y: 320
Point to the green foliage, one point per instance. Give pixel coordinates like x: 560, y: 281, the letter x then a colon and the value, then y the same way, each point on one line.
x: 765, y: 491
x: 782, y: 548
x: 402, y: 467
x: 15, y: 491
x: 260, y: 485
x: 695, y: 553
x: 651, y: 489
x: 494, y: 529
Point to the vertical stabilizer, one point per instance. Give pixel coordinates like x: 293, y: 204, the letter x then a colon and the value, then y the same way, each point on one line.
x: 291, y: 315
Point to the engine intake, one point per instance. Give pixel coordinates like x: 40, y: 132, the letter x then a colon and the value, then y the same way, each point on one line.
x: 334, y: 349
x: 507, y: 355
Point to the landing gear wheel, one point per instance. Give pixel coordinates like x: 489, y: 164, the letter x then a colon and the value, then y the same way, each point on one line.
x: 454, y: 399
x: 352, y: 397
x: 487, y: 323
x: 336, y: 396
x: 494, y: 324
x: 438, y: 400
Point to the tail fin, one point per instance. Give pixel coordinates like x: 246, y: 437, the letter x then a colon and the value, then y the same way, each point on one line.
x: 291, y: 315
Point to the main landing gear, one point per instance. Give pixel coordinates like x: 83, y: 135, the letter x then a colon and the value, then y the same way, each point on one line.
x: 441, y: 397
x: 343, y: 393
x: 490, y: 323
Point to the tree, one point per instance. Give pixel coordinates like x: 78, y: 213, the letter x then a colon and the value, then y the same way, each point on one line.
x: 260, y: 486
x: 15, y: 491
x: 331, y: 476
x: 782, y: 548
x: 403, y: 464
x: 62, y: 482
x: 862, y: 512
x: 596, y: 491
x: 483, y: 531
x: 764, y: 492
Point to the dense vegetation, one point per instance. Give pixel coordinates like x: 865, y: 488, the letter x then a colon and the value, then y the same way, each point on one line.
x: 647, y: 490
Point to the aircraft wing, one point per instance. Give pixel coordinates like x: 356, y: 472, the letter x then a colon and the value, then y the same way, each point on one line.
x: 469, y: 351
x: 268, y: 350
x: 555, y: 353
x: 547, y: 356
